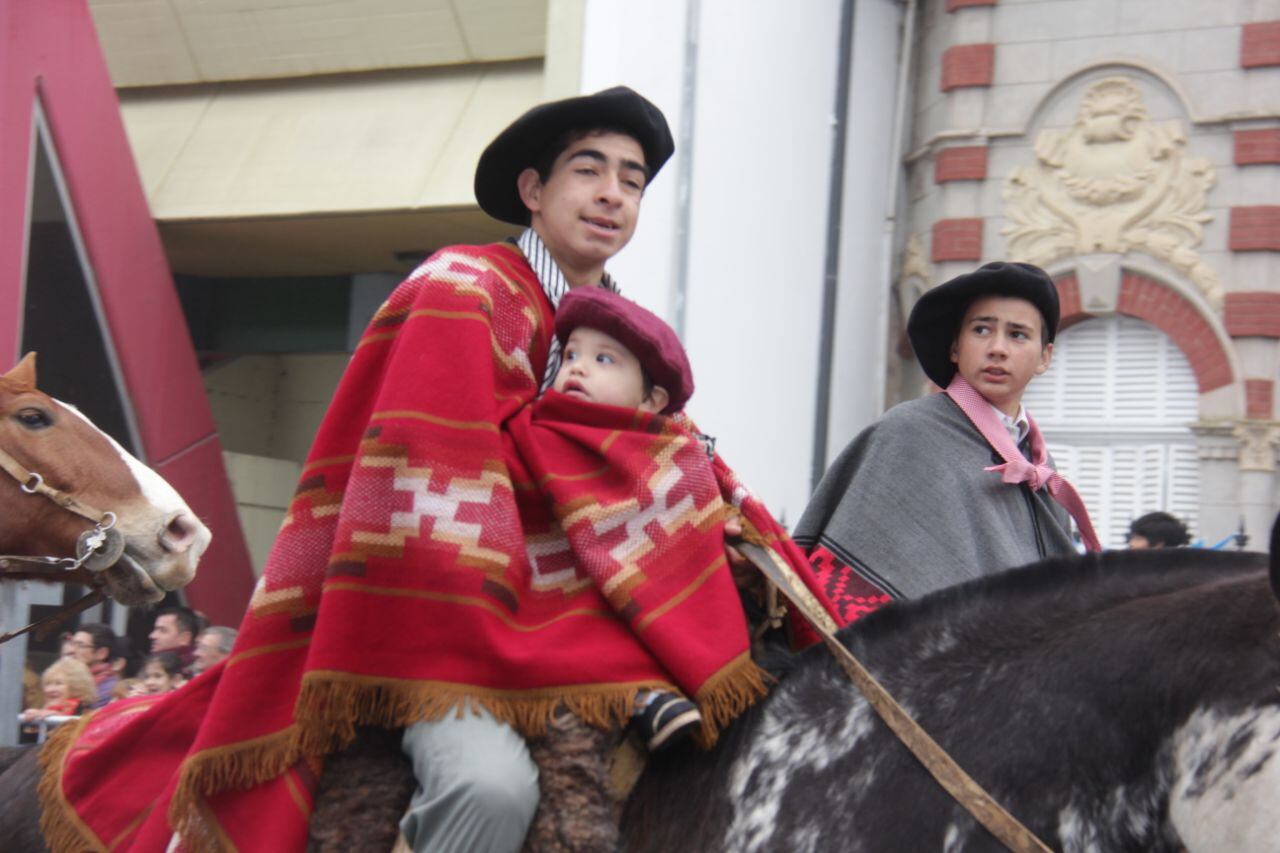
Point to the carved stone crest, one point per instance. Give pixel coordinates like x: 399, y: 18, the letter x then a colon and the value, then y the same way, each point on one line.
x: 1113, y: 182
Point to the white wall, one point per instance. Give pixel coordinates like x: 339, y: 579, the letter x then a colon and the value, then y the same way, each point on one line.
x: 765, y: 90
x: 621, y: 46
x: 867, y: 239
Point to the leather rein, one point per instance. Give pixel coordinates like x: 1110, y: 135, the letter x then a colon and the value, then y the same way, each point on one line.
x: 97, y: 549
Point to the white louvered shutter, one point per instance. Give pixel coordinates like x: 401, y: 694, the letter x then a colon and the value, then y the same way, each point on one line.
x: 1115, y: 407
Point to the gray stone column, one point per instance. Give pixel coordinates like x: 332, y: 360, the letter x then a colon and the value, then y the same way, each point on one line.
x: 1219, y: 452
x: 1259, y: 441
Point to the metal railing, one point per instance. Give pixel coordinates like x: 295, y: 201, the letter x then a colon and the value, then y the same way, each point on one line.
x: 43, y: 724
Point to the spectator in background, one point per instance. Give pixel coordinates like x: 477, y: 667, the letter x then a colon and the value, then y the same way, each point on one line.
x: 68, y: 689
x: 95, y: 646
x: 161, y: 673
x: 1157, y: 530
x: 126, y: 663
x: 175, y: 631
x: 68, y: 649
x: 213, y: 644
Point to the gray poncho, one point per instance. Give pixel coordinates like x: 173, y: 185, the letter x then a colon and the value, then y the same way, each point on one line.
x: 908, y: 506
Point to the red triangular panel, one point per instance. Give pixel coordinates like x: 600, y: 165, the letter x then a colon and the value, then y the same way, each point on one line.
x: 50, y: 47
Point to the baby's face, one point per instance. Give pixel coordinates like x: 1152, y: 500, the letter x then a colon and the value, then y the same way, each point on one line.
x: 596, y: 367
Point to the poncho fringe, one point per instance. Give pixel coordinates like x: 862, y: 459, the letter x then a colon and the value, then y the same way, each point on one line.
x: 62, y: 827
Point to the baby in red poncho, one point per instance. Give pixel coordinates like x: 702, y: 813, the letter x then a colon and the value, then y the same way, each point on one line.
x: 616, y: 353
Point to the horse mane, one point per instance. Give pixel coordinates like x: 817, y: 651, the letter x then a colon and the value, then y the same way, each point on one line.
x: 1070, y: 587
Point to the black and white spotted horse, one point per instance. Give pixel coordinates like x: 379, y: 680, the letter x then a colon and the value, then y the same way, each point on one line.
x: 1127, y: 701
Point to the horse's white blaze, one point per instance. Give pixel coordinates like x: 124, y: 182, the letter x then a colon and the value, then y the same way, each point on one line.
x: 1227, y: 781
x: 155, y: 489
x: 156, y: 558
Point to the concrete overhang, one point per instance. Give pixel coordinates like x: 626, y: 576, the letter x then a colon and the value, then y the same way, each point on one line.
x: 166, y: 42
x: 322, y: 175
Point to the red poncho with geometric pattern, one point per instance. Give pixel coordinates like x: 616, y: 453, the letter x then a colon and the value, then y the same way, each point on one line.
x: 448, y: 543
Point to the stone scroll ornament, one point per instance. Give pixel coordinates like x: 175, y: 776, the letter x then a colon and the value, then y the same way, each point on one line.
x: 1115, y: 181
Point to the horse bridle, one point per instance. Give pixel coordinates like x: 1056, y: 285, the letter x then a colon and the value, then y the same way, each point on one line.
x: 97, y: 549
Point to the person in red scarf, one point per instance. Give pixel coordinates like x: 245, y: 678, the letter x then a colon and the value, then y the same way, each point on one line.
x: 68, y: 690
x: 431, y: 573
x: 955, y: 485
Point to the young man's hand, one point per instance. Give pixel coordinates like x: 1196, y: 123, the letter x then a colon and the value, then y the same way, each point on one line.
x: 745, y: 575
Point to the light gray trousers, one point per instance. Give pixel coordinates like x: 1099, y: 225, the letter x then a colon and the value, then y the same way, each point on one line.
x: 477, y: 786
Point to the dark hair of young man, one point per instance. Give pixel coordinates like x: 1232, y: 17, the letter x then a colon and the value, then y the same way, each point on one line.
x: 542, y: 165
x: 103, y: 636
x: 184, y: 617
x: 955, y: 334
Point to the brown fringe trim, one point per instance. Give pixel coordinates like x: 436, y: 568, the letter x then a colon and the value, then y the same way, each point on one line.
x: 63, y: 830
x: 332, y: 704
x: 239, y: 765
x: 727, y: 694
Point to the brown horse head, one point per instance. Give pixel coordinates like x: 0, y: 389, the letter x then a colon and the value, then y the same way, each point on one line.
x: 163, y: 540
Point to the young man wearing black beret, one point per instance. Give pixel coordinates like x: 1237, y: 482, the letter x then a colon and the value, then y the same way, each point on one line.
x: 417, y: 580
x: 574, y: 173
x: 955, y: 485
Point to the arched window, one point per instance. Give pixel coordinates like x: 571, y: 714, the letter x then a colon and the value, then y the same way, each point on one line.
x: 1115, y: 407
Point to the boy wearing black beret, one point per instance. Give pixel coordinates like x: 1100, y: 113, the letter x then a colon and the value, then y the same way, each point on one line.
x: 955, y: 485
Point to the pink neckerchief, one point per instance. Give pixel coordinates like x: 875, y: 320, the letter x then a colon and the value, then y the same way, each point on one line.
x: 1036, y: 473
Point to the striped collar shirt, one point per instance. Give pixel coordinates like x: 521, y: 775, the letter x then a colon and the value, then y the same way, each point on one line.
x: 1017, y: 427
x: 555, y: 286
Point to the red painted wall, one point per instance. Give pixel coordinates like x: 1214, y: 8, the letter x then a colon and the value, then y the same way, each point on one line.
x: 50, y: 47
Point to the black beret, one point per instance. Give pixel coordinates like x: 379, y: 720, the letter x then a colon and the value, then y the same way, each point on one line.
x: 937, y: 315
x: 519, y: 146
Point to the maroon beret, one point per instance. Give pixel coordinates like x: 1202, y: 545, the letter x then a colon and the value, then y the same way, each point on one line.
x: 651, y: 341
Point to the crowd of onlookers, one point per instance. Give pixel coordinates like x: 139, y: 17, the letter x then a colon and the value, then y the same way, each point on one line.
x: 97, y: 667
